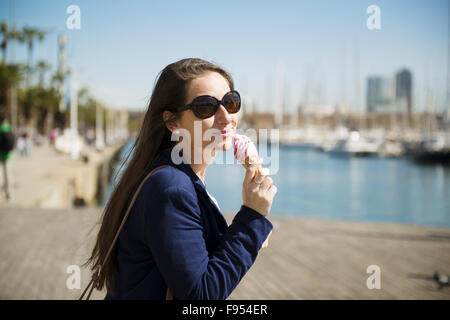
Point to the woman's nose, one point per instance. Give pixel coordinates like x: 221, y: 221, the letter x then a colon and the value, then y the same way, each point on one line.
x: 222, y: 115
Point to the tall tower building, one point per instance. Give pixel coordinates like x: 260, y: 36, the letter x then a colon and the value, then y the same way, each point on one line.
x: 403, y: 89
x: 379, y: 94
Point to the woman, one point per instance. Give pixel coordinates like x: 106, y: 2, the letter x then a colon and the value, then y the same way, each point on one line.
x: 175, y: 236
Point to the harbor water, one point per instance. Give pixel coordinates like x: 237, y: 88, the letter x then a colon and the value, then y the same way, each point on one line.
x: 312, y: 183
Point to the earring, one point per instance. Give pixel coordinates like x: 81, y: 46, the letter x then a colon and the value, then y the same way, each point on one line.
x: 176, y: 133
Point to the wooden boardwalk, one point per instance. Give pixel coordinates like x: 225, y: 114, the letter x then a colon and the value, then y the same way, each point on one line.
x: 322, y: 259
x: 306, y: 258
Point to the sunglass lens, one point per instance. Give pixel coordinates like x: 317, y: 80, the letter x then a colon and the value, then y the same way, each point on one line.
x: 204, y: 107
x: 232, y: 101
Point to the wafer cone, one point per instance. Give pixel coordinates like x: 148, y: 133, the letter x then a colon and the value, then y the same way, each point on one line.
x: 243, y: 146
x: 251, y: 160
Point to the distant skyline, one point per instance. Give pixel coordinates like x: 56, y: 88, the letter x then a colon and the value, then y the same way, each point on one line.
x: 122, y: 46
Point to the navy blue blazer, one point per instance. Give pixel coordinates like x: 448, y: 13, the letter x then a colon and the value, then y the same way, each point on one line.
x: 176, y: 237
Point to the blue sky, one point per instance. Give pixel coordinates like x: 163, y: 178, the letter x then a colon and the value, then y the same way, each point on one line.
x: 122, y: 45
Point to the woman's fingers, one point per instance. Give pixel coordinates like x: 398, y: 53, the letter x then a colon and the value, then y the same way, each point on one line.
x: 258, y: 189
x: 261, y: 175
x: 272, y: 190
x: 267, y: 182
x: 250, y: 173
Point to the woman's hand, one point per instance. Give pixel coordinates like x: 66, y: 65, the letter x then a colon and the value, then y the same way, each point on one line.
x: 258, y: 191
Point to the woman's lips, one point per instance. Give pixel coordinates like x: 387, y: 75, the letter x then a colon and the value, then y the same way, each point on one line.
x: 226, y: 132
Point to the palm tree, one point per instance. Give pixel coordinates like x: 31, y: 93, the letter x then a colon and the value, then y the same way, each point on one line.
x: 42, y: 67
x: 10, y: 76
x: 6, y: 36
x: 86, y: 107
x: 28, y: 36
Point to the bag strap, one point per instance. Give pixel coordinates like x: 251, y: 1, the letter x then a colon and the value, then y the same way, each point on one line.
x: 95, y: 276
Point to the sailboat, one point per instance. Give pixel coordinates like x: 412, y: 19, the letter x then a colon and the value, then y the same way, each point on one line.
x: 356, y: 145
x: 435, y: 149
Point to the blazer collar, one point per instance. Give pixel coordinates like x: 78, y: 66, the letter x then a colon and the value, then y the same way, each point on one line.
x: 165, y: 158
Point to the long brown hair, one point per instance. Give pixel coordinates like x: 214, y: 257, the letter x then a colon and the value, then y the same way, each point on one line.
x: 169, y: 93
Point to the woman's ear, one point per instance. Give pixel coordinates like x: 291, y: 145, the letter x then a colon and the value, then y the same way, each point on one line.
x: 170, y: 122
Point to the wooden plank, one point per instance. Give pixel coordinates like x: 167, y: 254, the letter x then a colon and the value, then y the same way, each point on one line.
x: 306, y: 258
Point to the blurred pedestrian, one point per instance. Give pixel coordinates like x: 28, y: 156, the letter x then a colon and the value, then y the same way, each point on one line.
x: 52, y: 136
x: 37, y: 139
x: 90, y: 137
x: 6, y: 147
x: 21, y: 145
x: 27, y: 138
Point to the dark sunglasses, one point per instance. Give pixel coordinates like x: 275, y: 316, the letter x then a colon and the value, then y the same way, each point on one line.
x: 206, y: 106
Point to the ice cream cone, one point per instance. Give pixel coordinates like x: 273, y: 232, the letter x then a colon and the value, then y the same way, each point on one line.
x: 245, y: 152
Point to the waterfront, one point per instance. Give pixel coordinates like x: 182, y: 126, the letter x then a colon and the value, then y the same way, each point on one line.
x: 317, y: 184
x: 332, y: 89
x: 306, y: 258
x: 321, y: 185
x: 39, y: 245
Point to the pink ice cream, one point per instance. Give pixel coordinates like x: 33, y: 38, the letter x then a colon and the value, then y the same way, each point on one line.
x: 244, y: 150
